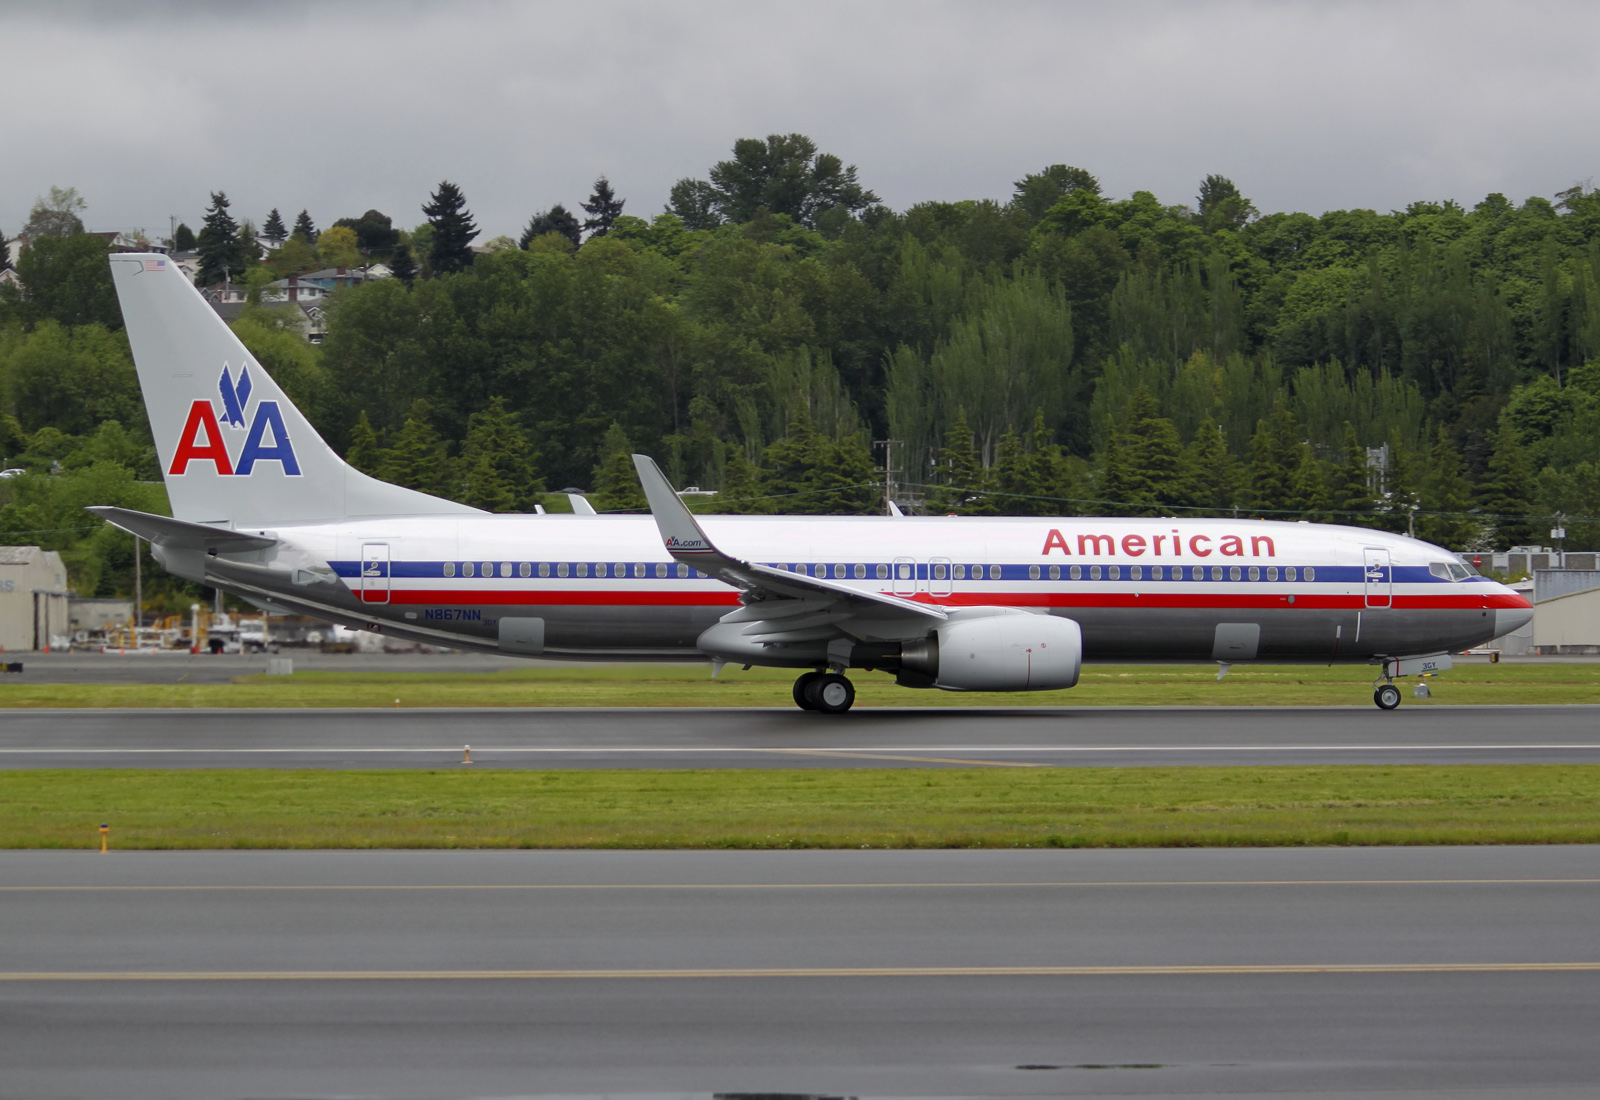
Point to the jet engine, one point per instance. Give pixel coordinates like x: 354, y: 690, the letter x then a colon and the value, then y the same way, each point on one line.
x: 1005, y: 652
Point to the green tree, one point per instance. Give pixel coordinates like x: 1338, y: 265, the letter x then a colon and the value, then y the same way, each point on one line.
x: 961, y: 475
x: 1273, y: 458
x: 558, y: 219
x: 616, y: 482
x: 1308, y: 488
x: 403, y: 266
x: 419, y: 458
x: 1038, y: 191
x: 603, y: 208
x: 784, y: 175
x: 695, y: 204
x: 499, y: 466
x: 63, y: 279
x: 1506, y: 493
x: 453, y: 230
x: 1220, y: 206
x: 1211, y: 471
x: 1349, y: 488
x: 273, y: 230
x: 1446, y: 498
x: 338, y: 247
x: 183, y: 239
x: 376, y: 236
x: 58, y: 215
x: 366, y: 452
x: 221, y: 258
x: 305, y: 228
x: 1153, y: 456
x: 741, y: 484
x: 71, y: 379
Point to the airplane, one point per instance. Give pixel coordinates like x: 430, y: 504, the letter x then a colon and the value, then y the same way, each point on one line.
x: 264, y: 509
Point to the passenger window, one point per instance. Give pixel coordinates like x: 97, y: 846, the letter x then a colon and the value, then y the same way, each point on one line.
x: 599, y: 568
x: 468, y: 569
x: 583, y: 568
x: 1055, y: 572
x: 904, y: 572
x: 683, y: 570
x: 1114, y: 572
x: 1233, y: 573
x: 994, y: 572
x: 1094, y: 572
x: 1216, y: 572
x: 544, y: 569
x: 1077, y: 572
x: 638, y: 569
x: 524, y: 569
x: 940, y: 571
x: 1157, y: 573
x: 1290, y: 573
x: 1255, y: 572
x: 488, y: 569
x: 661, y: 569
x: 860, y: 571
x: 1137, y: 572
x: 960, y: 572
x: 1311, y: 574
x: 449, y: 568
x: 838, y: 572
x: 883, y: 572
x: 561, y: 570
x: 1272, y: 572
x: 1033, y: 572
x: 505, y: 569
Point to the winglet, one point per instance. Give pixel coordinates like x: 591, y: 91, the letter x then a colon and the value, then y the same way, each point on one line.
x: 680, y: 533
x: 580, y: 505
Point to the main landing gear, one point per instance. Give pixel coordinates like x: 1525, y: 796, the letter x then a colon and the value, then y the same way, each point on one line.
x: 828, y: 692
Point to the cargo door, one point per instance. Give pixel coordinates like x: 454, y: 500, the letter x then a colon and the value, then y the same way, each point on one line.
x: 1378, y: 577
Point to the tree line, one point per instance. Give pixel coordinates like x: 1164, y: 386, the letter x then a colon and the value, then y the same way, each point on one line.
x: 779, y: 335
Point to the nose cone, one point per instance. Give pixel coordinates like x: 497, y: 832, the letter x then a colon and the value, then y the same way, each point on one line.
x: 1512, y: 612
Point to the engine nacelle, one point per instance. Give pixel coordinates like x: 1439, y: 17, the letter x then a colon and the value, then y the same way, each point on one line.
x: 1003, y: 652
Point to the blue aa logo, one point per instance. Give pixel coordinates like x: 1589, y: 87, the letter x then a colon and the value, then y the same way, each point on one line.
x: 202, y: 438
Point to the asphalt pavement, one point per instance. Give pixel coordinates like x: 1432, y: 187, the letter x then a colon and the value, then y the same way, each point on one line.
x: 789, y: 738
x: 1312, y: 973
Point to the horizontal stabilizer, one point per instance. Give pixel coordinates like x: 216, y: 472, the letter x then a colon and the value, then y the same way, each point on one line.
x: 181, y: 534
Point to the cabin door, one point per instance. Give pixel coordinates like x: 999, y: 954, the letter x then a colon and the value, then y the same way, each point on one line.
x: 1378, y: 577
x: 374, y: 572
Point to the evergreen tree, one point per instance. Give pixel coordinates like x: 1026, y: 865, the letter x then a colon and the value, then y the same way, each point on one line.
x: 558, y: 219
x: 453, y: 230
x: 403, y: 265
x: 789, y: 466
x: 272, y: 230
x: 1446, y: 498
x: 741, y: 490
x: 248, y: 247
x: 183, y: 239
x: 1118, y: 490
x: 220, y: 255
x: 1349, y: 493
x: 1211, y: 472
x: 1039, y: 474
x: 418, y: 459
x: 1402, y: 493
x: 603, y: 209
x: 305, y: 228
x: 961, y: 474
x: 846, y: 482
x: 365, y: 452
x: 1272, y: 461
x: 616, y: 482
x: 1153, y: 457
x: 1308, y: 488
x: 1004, y: 479
x: 1506, y: 491
x: 498, y: 464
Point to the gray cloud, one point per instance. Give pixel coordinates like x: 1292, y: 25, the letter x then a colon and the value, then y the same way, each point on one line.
x: 338, y: 107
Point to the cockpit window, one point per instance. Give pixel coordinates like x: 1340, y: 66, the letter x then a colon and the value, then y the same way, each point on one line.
x: 1439, y: 569
x: 1461, y: 572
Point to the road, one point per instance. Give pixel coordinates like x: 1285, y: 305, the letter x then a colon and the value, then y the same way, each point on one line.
x: 789, y: 738
x: 454, y: 974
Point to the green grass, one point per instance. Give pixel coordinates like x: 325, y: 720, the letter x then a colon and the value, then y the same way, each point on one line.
x: 964, y: 808
x: 693, y: 686
x: 690, y: 685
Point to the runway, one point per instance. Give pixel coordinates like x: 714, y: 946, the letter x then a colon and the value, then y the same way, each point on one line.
x: 463, y: 974
x: 788, y: 738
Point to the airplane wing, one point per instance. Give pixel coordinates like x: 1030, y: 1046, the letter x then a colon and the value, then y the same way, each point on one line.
x: 779, y: 606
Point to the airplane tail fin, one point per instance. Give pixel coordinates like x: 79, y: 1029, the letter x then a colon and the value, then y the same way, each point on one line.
x: 234, y: 449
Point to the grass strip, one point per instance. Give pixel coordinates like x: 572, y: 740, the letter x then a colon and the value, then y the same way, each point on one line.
x: 690, y: 685
x: 849, y: 808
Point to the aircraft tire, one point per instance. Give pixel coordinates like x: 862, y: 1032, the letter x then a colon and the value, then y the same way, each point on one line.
x: 831, y: 693
x: 1387, y: 696
x: 802, y: 687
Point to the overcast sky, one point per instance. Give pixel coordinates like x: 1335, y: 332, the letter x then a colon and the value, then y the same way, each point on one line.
x: 341, y: 106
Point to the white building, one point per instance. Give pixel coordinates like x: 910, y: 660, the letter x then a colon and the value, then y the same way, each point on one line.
x: 33, y: 600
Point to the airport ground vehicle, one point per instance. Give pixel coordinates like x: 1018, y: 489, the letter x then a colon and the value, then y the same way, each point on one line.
x: 264, y: 509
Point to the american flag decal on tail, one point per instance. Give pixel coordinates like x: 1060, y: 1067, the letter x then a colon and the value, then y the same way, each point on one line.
x: 155, y: 265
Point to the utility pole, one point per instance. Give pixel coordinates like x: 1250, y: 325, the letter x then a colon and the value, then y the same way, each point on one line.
x: 889, y: 482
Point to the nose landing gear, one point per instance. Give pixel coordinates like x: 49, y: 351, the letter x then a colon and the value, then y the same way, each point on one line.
x: 1387, y: 696
x: 827, y: 692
